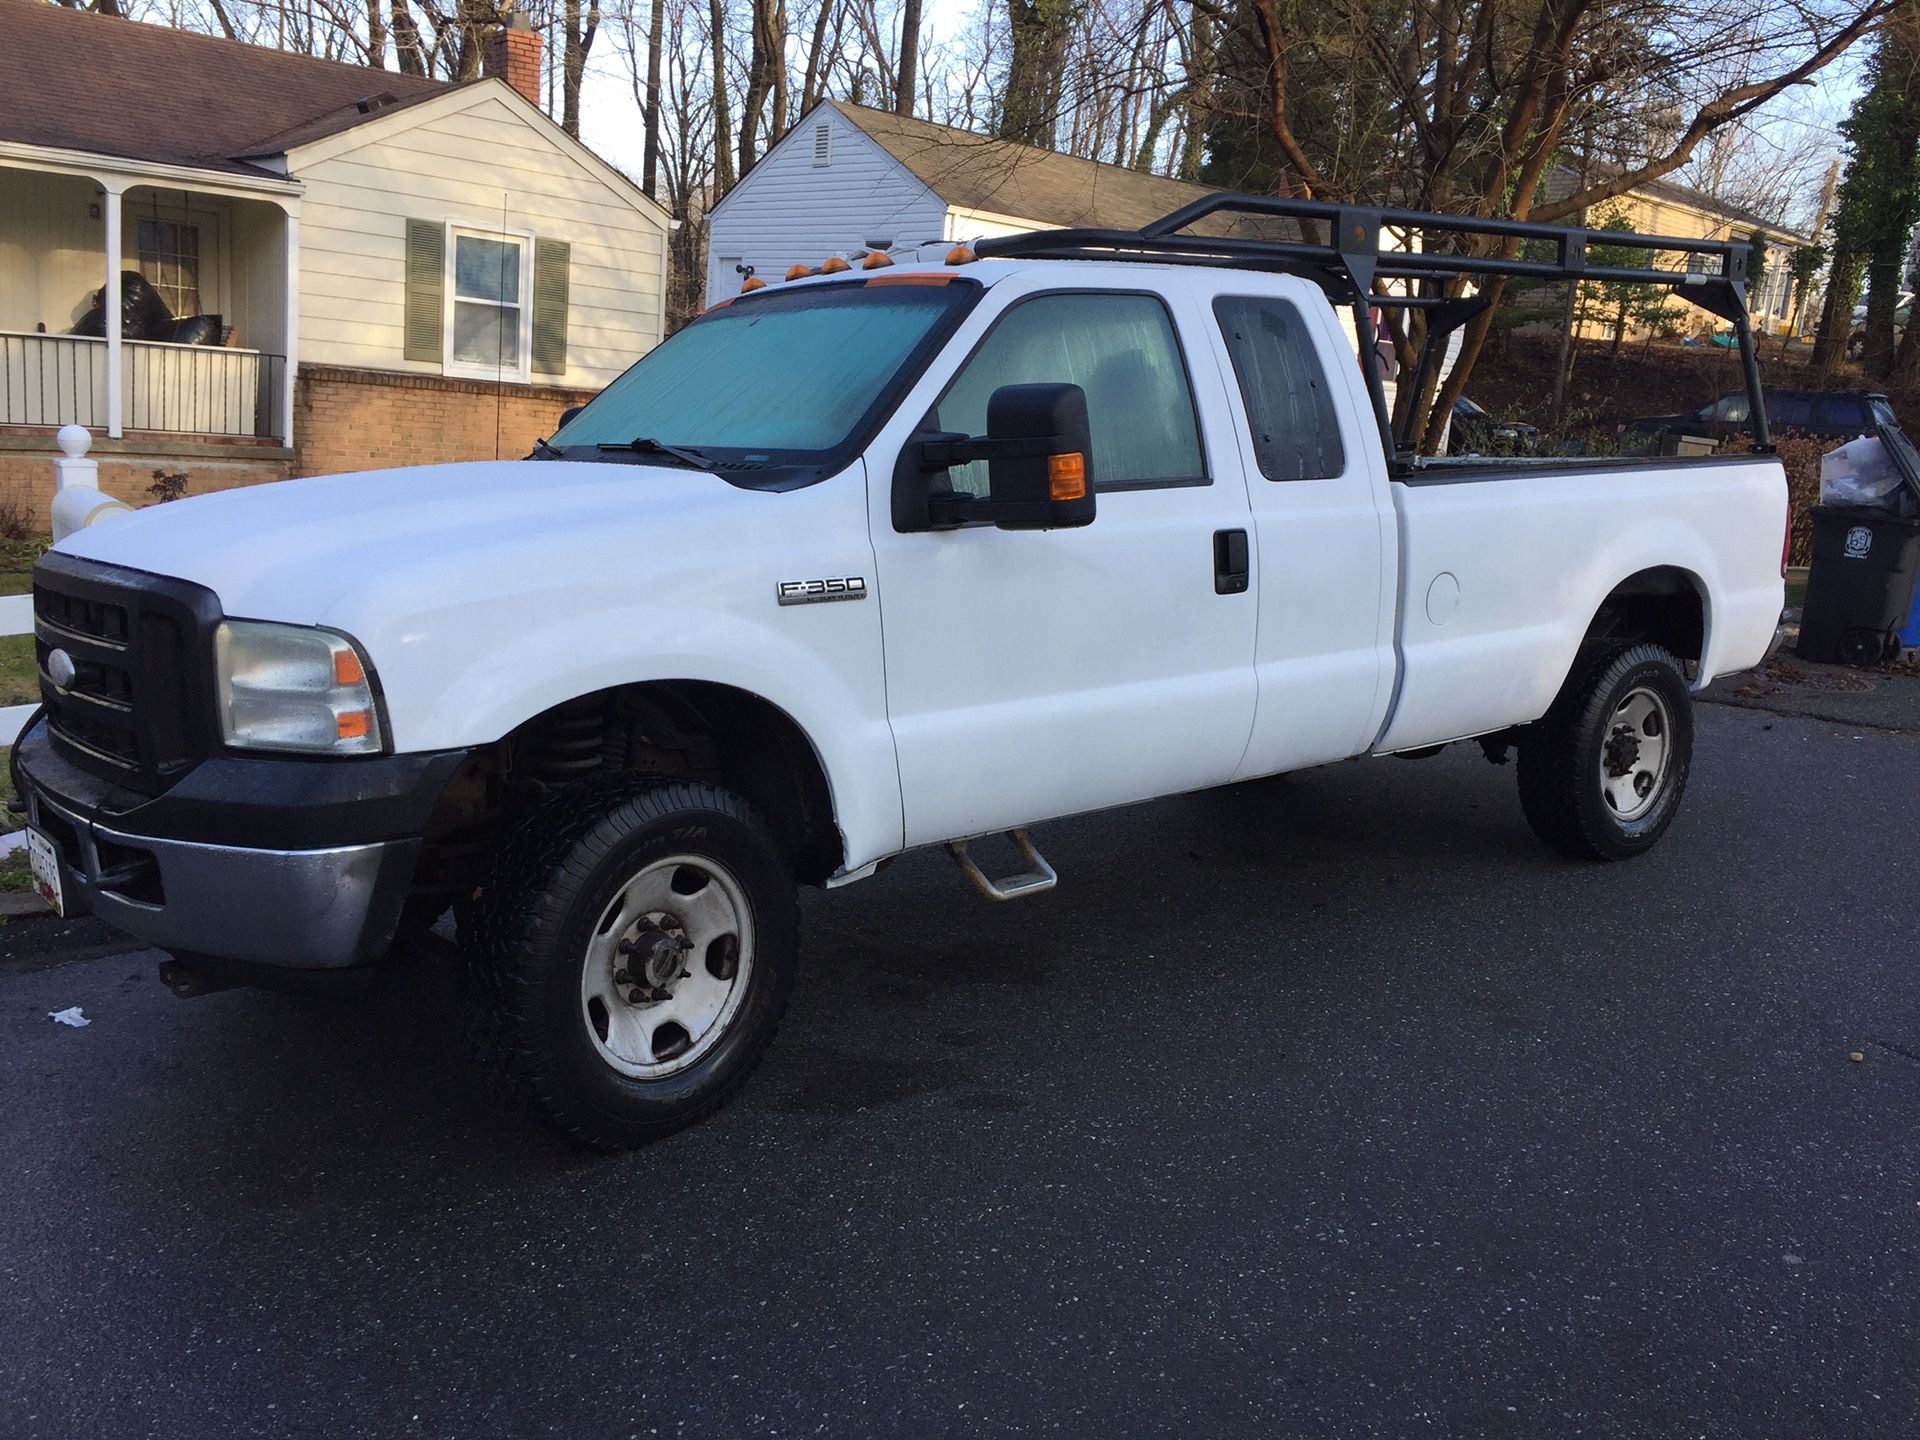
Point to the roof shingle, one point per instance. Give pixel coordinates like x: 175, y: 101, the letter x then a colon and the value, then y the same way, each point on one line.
x: 75, y: 80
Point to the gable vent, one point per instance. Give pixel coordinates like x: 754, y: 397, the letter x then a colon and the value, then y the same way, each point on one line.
x: 823, y: 144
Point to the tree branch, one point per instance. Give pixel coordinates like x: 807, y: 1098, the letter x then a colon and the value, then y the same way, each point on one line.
x: 1737, y: 103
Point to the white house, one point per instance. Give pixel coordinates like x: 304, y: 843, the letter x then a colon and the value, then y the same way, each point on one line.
x: 847, y: 178
x: 391, y: 268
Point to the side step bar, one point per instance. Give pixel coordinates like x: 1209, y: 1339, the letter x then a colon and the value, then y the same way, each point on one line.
x: 1038, y: 875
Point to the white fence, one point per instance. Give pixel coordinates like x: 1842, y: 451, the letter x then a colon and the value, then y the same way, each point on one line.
x: 16, y: 618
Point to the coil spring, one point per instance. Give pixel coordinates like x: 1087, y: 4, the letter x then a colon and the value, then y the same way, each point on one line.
x: 569, y: 743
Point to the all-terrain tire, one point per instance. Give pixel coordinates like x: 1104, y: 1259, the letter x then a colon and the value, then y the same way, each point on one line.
x: 533, y: 925
x: 1563, y: 755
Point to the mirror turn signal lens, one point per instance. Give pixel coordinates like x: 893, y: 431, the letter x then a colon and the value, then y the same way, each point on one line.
x: 1067, y: 476
x: 833, y: 265
x: 961, y: 255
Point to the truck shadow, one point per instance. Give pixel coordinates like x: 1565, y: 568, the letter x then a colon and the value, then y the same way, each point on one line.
x: 912, y: 990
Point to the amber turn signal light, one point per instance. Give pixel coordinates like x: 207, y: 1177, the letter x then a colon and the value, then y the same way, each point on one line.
x: 352, y: 724
x: 834, y: 265
x: 1067, y: 476
x: 347, y: 669
x: 961, y: 255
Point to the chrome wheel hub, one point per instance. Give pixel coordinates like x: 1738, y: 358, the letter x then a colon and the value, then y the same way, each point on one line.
x: 667, y: 967
x: 1636, y: 754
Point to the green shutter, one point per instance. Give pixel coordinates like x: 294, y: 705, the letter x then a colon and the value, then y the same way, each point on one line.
x: 550, y: 293
x: 426, y: 277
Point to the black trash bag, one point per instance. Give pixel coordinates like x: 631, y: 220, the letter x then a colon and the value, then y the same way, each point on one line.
x: 195, y: 330
x: 143, y: 314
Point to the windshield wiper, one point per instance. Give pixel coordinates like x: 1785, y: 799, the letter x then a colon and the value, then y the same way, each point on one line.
x: 542, y: 446
x: 647, y: 445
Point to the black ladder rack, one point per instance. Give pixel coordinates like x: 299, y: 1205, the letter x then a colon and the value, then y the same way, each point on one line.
x: 1350, y: 263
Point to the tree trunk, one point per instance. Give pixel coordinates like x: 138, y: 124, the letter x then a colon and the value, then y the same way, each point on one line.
x: 722, y: 126
x: 650, y: 156
x: 766, y: 79
x: 1563, y: 361
x: 376, y: 36
x: 577, y: 35
x: 1036, y: 69
x: 909, y: 76
x: 407, y: 46
x: 1836, y: 315
x: 1883, y: 286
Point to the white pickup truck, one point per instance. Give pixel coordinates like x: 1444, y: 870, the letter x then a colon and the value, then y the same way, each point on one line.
x: 896, y: 557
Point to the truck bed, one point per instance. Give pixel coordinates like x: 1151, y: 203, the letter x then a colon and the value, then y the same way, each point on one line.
x: 1505, y: 563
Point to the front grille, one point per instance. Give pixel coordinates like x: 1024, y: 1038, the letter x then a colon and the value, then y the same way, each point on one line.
x: 140, y: 645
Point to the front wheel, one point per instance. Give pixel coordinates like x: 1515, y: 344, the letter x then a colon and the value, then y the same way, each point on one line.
x: 631, y: 958
x: 1602, y: 773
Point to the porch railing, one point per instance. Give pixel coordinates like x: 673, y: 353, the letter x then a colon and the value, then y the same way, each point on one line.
x: 178, y: 389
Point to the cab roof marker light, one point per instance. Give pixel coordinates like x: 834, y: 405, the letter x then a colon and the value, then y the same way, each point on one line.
x: 752, y: 283
x: 961, y: 255
x: 914, y: 278
x: 876, y: 260
x: 799, y: 272
x: 834, y: 265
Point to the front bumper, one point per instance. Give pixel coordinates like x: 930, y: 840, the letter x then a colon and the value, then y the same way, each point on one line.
x: 288, y: 864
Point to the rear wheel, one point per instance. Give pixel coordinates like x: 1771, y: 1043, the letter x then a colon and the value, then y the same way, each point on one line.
x: 1602, y: 773
x: 631, y: 958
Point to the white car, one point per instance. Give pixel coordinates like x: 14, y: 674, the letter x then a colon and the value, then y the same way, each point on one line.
x: 1903, y: 303
x: 894, y: 558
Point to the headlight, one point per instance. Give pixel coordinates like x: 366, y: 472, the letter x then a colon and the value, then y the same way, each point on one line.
x: 294, y: 687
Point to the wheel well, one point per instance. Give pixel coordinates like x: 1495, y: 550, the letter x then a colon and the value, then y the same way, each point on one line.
x: 688, y: 728
x: 1664, y: 605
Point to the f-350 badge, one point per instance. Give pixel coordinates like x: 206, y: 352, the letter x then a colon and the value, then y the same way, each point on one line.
x: 816, y: 592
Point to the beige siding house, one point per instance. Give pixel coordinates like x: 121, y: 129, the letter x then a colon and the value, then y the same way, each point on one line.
x: 317, y: 266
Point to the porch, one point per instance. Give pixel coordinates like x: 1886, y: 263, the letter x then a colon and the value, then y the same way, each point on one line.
x: 198, y: 268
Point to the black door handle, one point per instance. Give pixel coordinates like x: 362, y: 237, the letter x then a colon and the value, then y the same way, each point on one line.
x: 1230, y: 572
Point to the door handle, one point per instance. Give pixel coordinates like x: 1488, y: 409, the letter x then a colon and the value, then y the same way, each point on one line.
x: 1231, y: 575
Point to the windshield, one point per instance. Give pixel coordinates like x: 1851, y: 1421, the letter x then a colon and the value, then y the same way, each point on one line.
x: 785, y: 377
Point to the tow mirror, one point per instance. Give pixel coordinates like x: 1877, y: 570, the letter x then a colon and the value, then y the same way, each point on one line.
x: 1039, y: 453
x: 566, y: 416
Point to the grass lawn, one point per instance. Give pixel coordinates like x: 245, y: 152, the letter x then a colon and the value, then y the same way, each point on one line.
x: 1797, y: 585
x: 15, y: 877
x: 19, y: 676
x: 19, y: 672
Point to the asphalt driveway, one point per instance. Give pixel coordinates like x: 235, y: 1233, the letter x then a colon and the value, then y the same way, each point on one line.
x: 1327, y: 1106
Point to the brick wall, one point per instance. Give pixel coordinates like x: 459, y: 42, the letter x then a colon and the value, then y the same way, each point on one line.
x: 344, y: 420
x: 348, y: 419
x: 126, y: 473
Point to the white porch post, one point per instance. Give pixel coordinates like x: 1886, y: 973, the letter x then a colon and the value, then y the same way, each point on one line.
x: 292, y: 342
x: 110, y: 311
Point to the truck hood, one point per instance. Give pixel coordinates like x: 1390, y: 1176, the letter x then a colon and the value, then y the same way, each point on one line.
x: 290, y: 550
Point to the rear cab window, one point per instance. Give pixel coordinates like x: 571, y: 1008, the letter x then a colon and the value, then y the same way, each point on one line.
x: 1296, y: 432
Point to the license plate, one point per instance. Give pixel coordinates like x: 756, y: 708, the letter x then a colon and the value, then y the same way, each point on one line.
x: 43, y: 858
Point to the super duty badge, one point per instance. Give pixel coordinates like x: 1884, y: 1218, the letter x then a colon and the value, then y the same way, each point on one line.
x: 814, y: 592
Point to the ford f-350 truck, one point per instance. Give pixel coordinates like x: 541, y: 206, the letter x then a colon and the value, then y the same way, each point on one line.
x: 901, y: 556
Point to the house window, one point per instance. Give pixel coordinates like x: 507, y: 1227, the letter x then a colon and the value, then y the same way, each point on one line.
x: 170, y: 261
x: 487, y: 283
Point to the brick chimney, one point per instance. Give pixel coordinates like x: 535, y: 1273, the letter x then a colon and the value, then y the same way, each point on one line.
x: 513, y: 53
